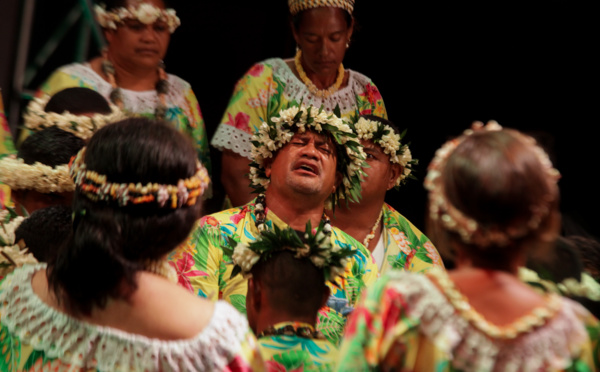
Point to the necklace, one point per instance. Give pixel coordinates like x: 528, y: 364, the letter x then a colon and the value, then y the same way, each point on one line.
x: 260, y: 207
x: 116, y: 96
x: 162, y: 268
x: 304, y: 331
x: 371, y: 235
x: 321, y: 93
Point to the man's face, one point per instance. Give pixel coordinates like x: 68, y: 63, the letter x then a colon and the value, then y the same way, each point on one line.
x: 381, y: 174
x: 306, y: 166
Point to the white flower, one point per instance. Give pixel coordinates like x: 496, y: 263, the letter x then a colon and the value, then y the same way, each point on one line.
x: 317, y: 261
x: 244, y: 257
x: 147, y: 13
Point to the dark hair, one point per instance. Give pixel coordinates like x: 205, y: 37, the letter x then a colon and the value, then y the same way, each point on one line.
x: 78, y: 101
x: 589, y: 250
x: 50, y: 146
x: 296, y: 286
x: 112, y: 4
x: 45, y: 230
x: 296, y: 19
x: 110, y: 244
x: 496, y: 178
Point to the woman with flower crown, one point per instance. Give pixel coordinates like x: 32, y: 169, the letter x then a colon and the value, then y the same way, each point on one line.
x: 109, y: 301
x: 316, y: 77
x: 493, y: 199
x: 131, y: 73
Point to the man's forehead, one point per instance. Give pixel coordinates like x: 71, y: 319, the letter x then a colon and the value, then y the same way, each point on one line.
x: 312, y: 134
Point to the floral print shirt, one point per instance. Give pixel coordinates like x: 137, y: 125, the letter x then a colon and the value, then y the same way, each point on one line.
x: 205, y: 269
x: 407, y: 322
x: 284, y: 353
x: 405, y: 247
x: 269, y: 85
x: 183, y: 110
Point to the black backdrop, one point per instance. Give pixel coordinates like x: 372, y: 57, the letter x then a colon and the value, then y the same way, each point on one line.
x: 530, y: 65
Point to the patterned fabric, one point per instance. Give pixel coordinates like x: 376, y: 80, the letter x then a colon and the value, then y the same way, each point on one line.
x: 6, y: 147
x: 36, y: 337
x: 405, y: 322
x: 203, y: 267
x: 271, y: 84
x: 183, y: 110
x: 405, y: 247
x: 295, y: 353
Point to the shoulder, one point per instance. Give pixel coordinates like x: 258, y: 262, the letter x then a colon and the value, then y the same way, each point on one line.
x: 359, y: 79
x: 178, y: 83
x: 227, y: 216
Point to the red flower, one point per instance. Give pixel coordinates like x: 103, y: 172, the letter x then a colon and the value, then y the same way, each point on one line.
x: 372, y: 93
x: 238, y: 216
x: 256, y: 70
x: 240, y: 121
x: 183, y: 267
x: 209, y: 220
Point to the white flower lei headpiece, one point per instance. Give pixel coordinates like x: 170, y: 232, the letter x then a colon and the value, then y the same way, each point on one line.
x: 145, y: 13
x: 96, y: 187
x: 11, y: 254
x: 39, y: 177
x: 317, y: 248
x: 467, y: 228
x: 280, y: 129
x: 82, y: 126
x: 391, y: 143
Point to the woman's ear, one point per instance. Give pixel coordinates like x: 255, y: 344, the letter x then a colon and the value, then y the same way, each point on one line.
x: 395, y: 172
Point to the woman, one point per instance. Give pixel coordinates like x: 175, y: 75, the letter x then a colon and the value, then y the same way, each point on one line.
x: 108, y: 302
x: 131, y: 72
x: 316, y: 77
x: 493, y: 199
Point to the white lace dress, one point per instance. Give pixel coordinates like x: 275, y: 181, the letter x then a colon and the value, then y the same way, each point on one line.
x: 34, y: 336
x: 270, y: 85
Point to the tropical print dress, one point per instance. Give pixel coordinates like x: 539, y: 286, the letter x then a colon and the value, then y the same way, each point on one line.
x: 415, y: 322
x: 405, y: 246
x: 36, y: 337
x: 283, y: 353
x: 269, y: 86
x: 6, y: 148
x: 183, y: 110
x: 205, y: 269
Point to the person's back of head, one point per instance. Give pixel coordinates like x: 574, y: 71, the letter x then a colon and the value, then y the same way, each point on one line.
x: 45, y: 231
x: 138, y: 192
x: 51, y: 147
x: 494, y: 193
x: 78, y: 101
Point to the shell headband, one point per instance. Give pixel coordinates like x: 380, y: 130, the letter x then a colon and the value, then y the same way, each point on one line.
x: 11, y: 254
x: 96, y: 187
x: 280, y: 129
x: 144, y: 12
x: 467, y: 228
x: 296, y: 6
x: 385, y: 136
x: 37, y: 176
x: 332, y: 259
x: 82, y: 126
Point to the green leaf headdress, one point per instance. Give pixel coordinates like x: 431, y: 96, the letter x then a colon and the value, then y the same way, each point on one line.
x: 317, y: 247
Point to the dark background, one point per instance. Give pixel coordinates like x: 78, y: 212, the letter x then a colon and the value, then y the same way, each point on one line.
x: 530, y: 65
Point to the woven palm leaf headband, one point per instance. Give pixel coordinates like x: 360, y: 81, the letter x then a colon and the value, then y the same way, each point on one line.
x: 96, y: 187
x: 296, y: 6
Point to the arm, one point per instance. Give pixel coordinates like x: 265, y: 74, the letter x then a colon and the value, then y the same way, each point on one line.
x: 194, y: 127
x: 234, y: 170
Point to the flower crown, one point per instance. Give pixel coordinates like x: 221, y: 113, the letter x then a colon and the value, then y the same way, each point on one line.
x: 145, y: 13
x: 96, y: 187
x: 296, y: 6
x: 82, y: 126
x: 11, y: 254
x: 332, y: 259
x: 37, y: 176
x: 391, y: 143
x: 279, y: 130
x: 467, y: 228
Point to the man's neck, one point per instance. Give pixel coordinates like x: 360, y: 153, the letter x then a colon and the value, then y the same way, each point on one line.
x: 358, y: 219
x: 275, y: 317
x: 295, y: 212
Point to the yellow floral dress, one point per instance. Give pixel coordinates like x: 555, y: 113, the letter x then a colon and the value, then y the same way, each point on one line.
x: 415, y: 322
x: 405, y: 246
x: 6, y: 147
x: 205, y: 269
x: 269, y: 85
x: 183, y: 110
x: 36, y: 337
